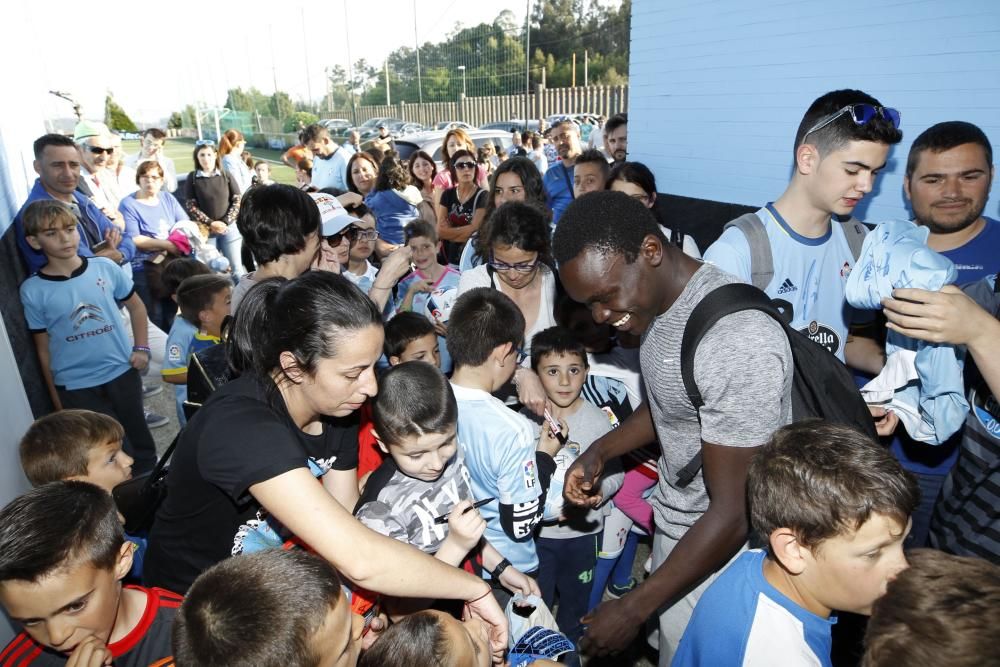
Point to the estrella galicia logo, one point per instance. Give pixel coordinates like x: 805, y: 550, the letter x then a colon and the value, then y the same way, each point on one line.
x: 822, y: 334
x: 86, y: 312
x: 986, y: 409
x: 787, y: 286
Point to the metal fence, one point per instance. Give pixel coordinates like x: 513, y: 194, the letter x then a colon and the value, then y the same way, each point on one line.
x: 542, y: 102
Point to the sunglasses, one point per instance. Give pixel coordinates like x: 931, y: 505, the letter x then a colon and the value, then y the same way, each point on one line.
x: 520, y: 267
x: 465, y: 165
x: 97, y: 150
x: 205, y: 142
x: 334, y: 240
x: 861, y: 114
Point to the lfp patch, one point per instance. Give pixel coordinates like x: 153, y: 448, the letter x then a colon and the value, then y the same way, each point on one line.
x: 529, y: 474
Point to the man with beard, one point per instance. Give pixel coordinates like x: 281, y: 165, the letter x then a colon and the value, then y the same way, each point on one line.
x: 948, y: 176
x: 616, y: 139
x: 558, y: 180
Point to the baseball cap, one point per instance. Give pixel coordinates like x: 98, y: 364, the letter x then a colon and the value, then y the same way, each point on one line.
x: 334, y: 216
x: 88, y: 128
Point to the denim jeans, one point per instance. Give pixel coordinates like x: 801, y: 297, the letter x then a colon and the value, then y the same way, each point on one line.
x: 230, y: 244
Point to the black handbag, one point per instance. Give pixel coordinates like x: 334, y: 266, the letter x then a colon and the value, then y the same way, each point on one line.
x: 139, y: 498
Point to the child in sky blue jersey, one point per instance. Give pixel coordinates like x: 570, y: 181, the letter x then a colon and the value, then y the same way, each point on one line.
x: 175, y: 358
x: 833, y: 543
x: 71, y: 307
x: 505, y: 459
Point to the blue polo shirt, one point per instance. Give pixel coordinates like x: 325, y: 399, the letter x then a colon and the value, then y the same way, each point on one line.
x: 92, y: 225
x: 558, y: 182
x: 88, y: 345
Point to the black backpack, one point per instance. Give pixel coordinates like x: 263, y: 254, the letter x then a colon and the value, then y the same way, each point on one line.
x: 822, y: 386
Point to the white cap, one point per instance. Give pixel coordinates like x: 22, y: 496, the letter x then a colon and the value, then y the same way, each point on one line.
x: 333, y: 214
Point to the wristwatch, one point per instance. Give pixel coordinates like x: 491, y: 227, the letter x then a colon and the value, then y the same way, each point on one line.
x: 498, y: 570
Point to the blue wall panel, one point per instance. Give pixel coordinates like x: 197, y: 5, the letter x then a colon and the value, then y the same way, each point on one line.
x: 717, y: 88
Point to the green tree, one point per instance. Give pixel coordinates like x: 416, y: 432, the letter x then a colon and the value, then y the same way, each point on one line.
x: 280, y: 105
x: 299, y: 119
x: 176, y: 121
x: 115, y: 117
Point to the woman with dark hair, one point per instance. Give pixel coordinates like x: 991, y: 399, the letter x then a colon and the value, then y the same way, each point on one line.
x: 212, y: 199
x: 457, y: 139
x: 231, y: 145
x: 460, y: 209
x: 637, y: 181
x: 270, y: 458
x: 362, y: 171
x: 519, y: 265
x: 394, y: 202
x: 422, y: 174
x: 516, y: 179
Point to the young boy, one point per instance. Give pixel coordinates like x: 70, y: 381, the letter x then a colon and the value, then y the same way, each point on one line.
x: 570, y: 536
x: 75, y: 445
x: 62, y: 559
x: 71, y: 307
x: 833, y: 508
x: 204, y: 302
x: 182, y: 332
x: 940, y: 610
x: 840, y: 147
x: 268, y: 609
x: 498, y: 444
x: 590, y: 173
x: 425, y: 476
x: 432, y: 287
x: 411, y: 337
x: 359, y: 270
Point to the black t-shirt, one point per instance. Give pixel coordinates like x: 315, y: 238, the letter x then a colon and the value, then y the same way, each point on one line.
x: 460, y: 215
x: 234, y: 441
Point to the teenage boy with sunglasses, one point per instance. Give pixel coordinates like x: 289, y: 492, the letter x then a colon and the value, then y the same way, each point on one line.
x: 840, y: 147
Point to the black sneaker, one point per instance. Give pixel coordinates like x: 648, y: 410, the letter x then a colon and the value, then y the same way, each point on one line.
x: 154, y: 420
x: 151, y: 390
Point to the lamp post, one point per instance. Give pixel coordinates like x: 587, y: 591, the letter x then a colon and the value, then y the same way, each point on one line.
x: 461, y: 68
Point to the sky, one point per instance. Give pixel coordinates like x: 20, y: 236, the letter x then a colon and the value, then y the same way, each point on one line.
x: 158, y: 56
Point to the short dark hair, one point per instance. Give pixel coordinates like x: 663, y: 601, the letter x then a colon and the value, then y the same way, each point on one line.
x: 945, y: 136
x: 361, y: 155
x: 939, y: 610
x: 392, y: 174
x: 418, y: 640
x: 397, y: 416
x: 58, y: 525
x: 523, y: 225
x: 57, y: 446
x: 275, y: 220
x: 402, y: 330
x: 261, y: 609
x: 51, y: 139
x: 196, y: 293
x: 179, y: 269
x: 420, y: 229
x: 556, y: 340
x: 147, y: 166
x: 314, y: 132
x: 615, y: 122
x: 154, y: 132
x: 482, y: 319
x: 594, y: 156
x: 821, y: 479
x: 843, y: 130
x: 634, y: 172
x: 198, y: 149
x: 607, y: 222
x: 461, y: 152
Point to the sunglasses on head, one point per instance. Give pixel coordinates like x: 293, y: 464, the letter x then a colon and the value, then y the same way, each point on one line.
x: 465, y: 165
x: 204, y: 142
x: 861, y: 114
x: 97, y: 150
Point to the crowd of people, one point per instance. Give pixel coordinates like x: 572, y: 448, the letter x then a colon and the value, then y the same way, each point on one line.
x: 418, y: 400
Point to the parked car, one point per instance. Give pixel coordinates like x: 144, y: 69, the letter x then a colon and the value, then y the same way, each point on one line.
x: 337, y: 127
x: 369, y: 128
x: 403, y: 128
x: 430, y: 142
x: 452, y: 125
x: 512, y: 124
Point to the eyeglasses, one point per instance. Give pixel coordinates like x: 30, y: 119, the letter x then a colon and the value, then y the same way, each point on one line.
x: 861, y: 114
x: 97, y: 150
x: 205, y: 142
x: 522, y: 356
x: 363, y: 235
x: 520, y: 267
x: 465, y: 165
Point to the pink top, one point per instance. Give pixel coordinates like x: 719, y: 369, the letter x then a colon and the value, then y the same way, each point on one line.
x: 443, y: 180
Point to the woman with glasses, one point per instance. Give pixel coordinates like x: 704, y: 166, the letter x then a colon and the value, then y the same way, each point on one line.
x: 461, y: 208
x: 637, y: 181
x: 422, y: 174
x: 519, y: 265
x: 457, y: 139
x: 149, y: 214
x: 394, y: 202
x: 516, y: 179
x: 212, y: 199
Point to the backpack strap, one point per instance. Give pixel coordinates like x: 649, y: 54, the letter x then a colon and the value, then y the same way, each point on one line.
x: 761, y: 260
x: 722, y: 301
x: 855, y: 231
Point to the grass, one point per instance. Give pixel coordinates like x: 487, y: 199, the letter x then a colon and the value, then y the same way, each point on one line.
x: 180, y: 151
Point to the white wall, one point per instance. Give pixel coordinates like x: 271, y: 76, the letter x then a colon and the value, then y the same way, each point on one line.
x: 718, y: 87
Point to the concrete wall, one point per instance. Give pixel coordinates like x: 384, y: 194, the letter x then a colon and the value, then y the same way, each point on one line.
x: 718, y: 87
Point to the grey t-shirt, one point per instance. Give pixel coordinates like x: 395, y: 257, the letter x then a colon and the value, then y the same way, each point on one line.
x: 240, y: 291
x: 743, y: 368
